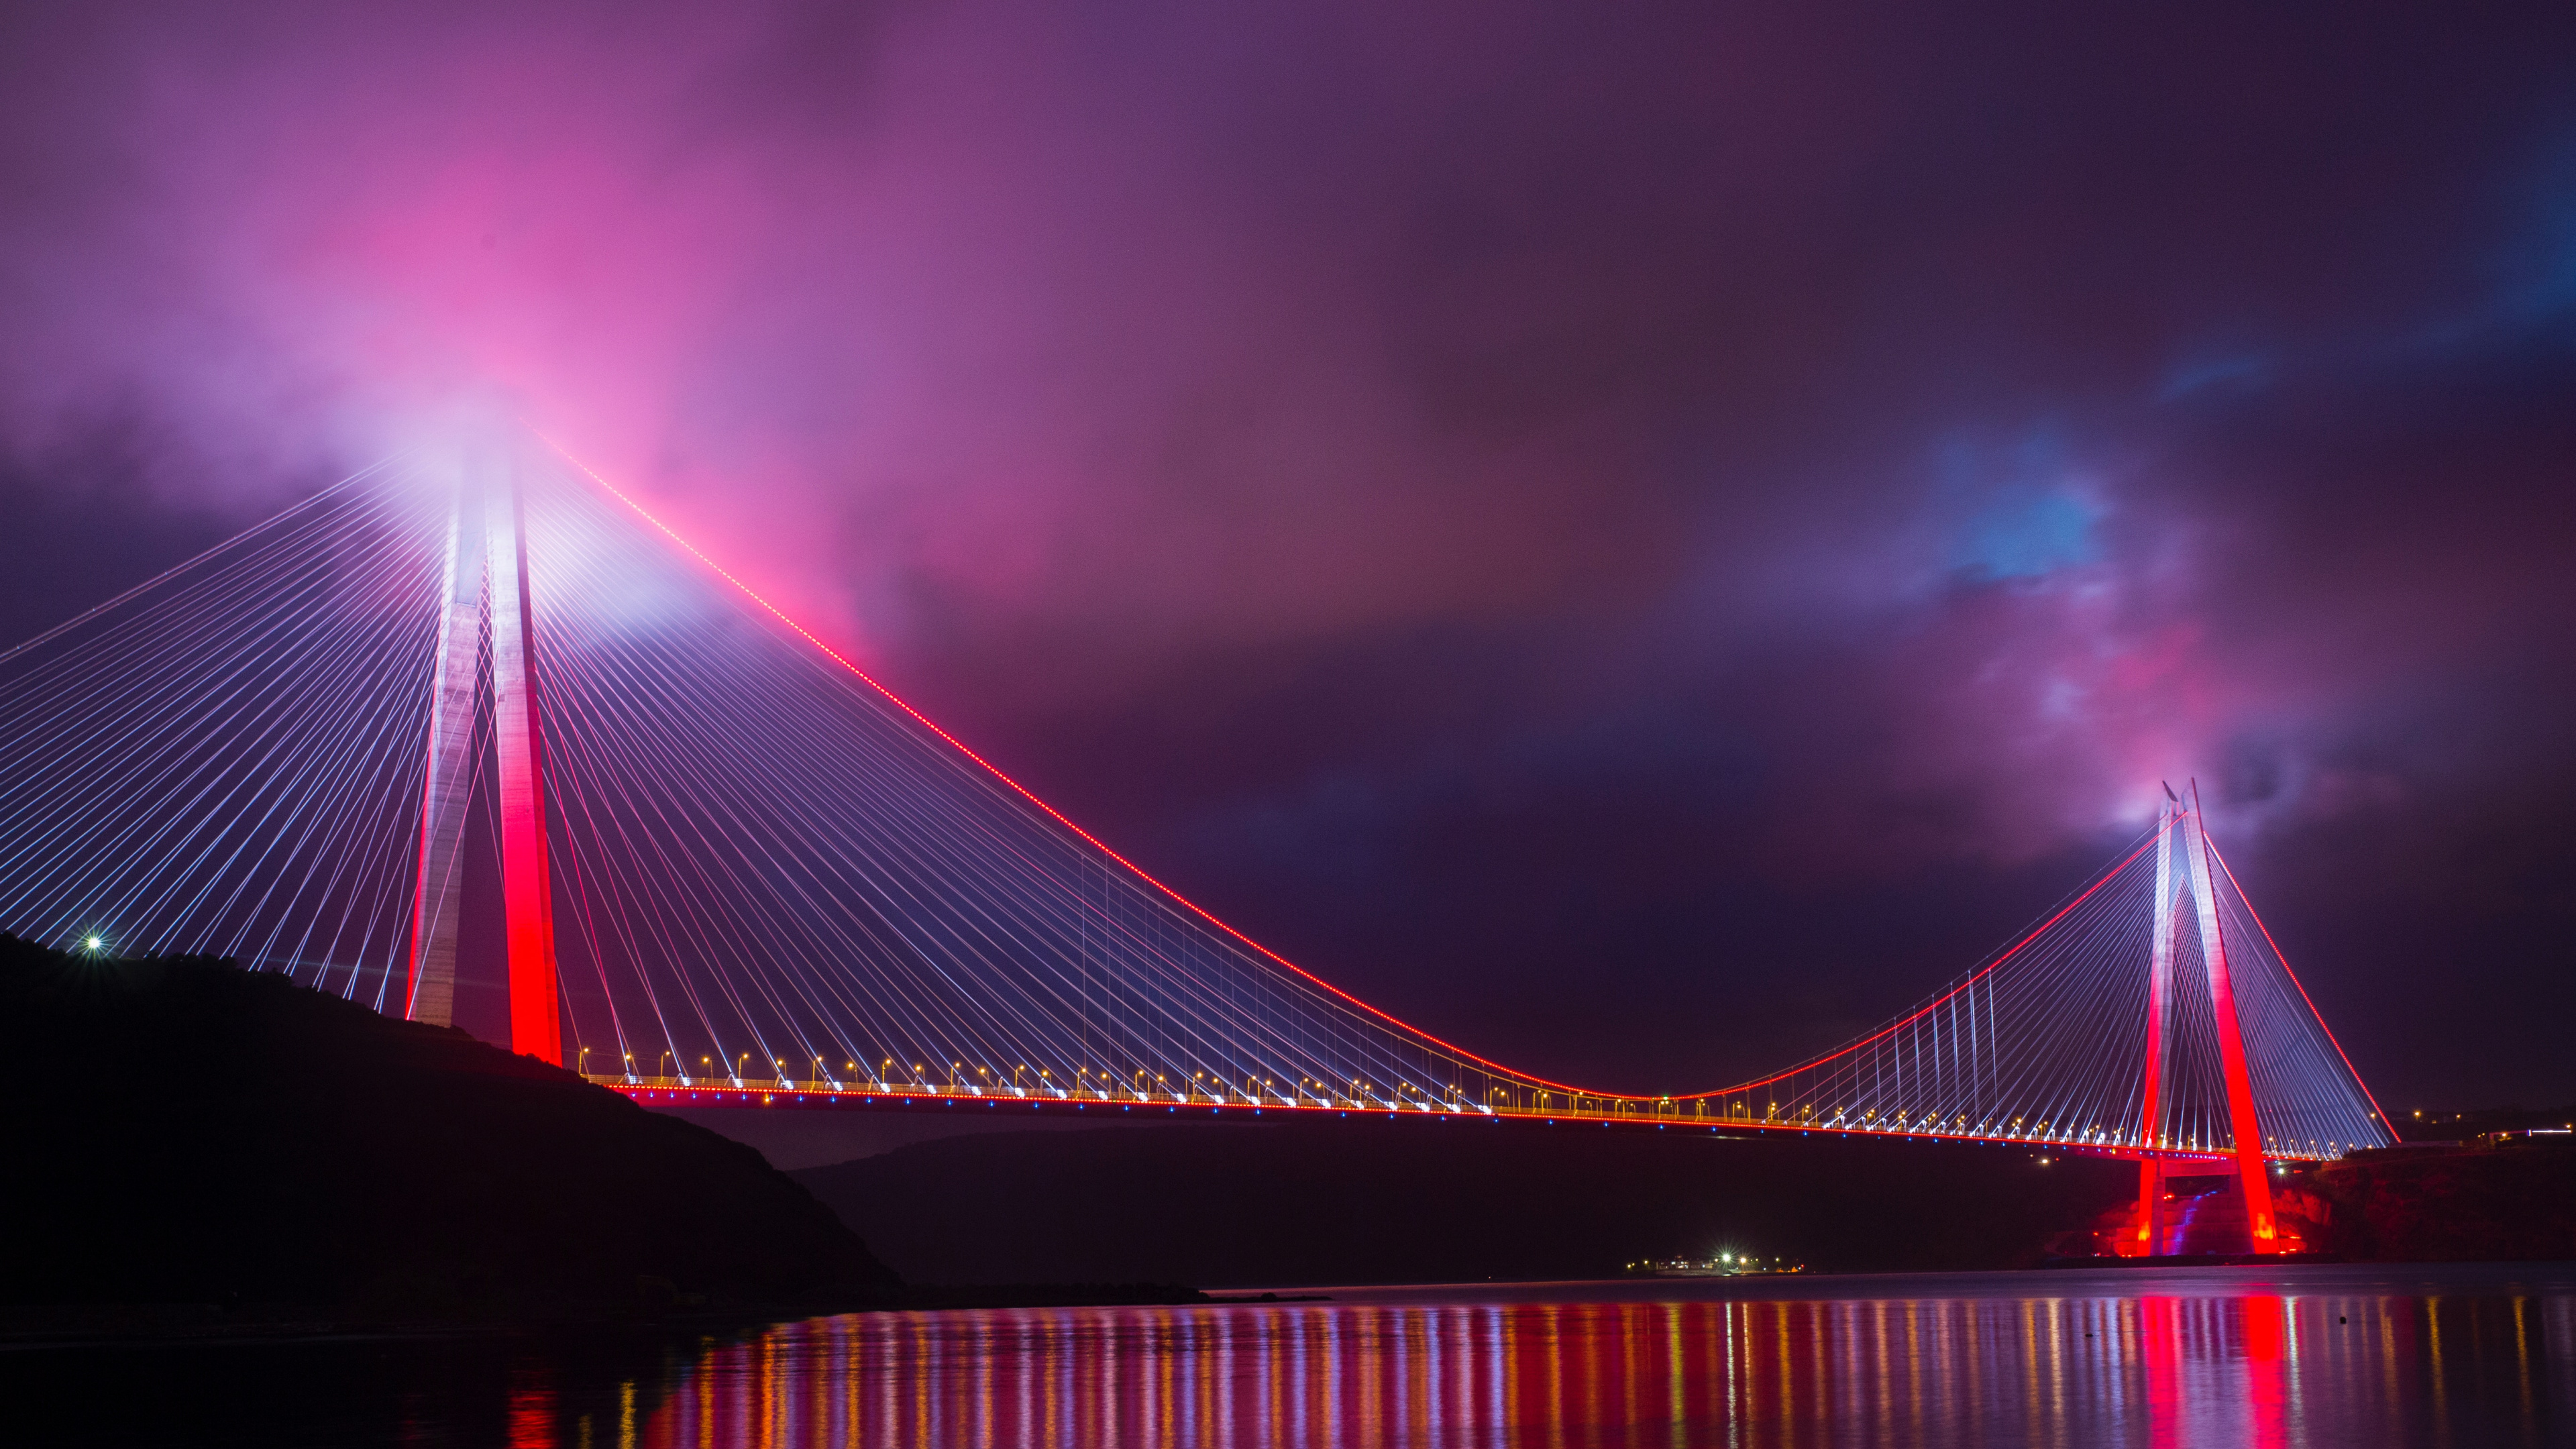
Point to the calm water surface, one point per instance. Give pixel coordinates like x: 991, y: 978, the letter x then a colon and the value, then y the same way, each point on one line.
x: 2468, y: 1356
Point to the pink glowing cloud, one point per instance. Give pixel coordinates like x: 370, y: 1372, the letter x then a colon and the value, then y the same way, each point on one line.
x: 1097, y: 355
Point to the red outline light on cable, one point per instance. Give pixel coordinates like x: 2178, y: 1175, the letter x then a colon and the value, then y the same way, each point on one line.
x: 1025, y: 793
x: 2294, y: 982
x: 1204, y: 914
x: 1934, y: 1004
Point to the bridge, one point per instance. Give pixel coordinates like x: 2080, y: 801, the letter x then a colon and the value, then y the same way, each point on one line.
x: 485, y: 708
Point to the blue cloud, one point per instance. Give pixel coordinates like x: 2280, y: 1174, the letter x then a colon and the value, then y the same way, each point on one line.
x: 2023, y: 518
x: 2025, y: 534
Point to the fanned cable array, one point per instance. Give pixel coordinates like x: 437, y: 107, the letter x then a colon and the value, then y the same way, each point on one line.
x: 772, y: 871
x: 765, y: 872
x: 2065, y: 1038
x: 226, y: 759
x: 2313, y: 1103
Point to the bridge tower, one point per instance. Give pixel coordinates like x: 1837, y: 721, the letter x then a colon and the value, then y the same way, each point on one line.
x: 2178, y: 833
x: 486, y: 583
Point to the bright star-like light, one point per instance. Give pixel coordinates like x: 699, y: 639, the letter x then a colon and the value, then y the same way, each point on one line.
x: 94, y: 943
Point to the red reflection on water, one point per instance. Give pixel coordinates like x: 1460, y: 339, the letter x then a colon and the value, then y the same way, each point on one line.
x: 530, y: 1410
x: 2164, y: 1370
x: 2217, y: 1370
x: 2160, y: 1354
x: 2267, y: 1354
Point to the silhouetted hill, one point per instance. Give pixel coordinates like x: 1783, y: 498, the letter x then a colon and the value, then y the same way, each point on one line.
x: 1365, y: 1200
x: 181, y: 1131
x: 2514, y: 1203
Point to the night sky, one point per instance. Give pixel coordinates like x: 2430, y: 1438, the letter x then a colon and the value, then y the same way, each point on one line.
x: 1640, y: 538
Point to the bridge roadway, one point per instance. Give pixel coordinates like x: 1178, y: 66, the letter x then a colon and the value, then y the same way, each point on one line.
x: 1662, y: 1113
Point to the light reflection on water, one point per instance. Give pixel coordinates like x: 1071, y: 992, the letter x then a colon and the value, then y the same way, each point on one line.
x: 2465, y: 1356
x: 2257, y: 1362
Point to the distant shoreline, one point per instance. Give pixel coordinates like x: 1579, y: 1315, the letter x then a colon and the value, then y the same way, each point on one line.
x: 24, y: 1330
x: 145, y: 1325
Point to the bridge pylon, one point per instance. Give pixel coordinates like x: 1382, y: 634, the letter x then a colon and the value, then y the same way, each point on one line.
x: 2180, y: 841
x: 485, y: 588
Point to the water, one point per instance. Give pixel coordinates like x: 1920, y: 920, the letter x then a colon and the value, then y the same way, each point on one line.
x: 2342, y: 1356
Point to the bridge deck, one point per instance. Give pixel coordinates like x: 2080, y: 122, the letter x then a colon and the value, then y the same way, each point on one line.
x: 1660, y: 1113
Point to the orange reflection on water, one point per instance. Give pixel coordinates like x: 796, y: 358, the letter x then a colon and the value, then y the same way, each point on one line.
x: 2254, y: 1368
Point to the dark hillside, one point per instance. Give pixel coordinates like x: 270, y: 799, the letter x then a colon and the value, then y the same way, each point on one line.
x: 1313, y: 1202
x: 2514, y: 1202
x: 181, y: 1131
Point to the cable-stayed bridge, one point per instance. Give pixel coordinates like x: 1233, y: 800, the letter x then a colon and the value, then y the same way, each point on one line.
x: 485, y: 709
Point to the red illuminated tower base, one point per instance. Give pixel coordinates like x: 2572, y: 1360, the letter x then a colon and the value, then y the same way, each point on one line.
x: 487, y: 579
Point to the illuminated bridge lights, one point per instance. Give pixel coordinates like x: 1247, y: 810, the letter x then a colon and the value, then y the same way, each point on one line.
x: 820, y: 1093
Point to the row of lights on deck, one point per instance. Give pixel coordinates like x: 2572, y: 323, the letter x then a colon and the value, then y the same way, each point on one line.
x: 1102, y: 1084
x: 1106, y: 1087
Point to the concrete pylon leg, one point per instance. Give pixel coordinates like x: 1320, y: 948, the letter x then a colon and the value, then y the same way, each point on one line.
x: 2159, y: 992
x: 527, y: 888
x: 2151, y: 1207
x: 438, y: 887
x: 2244, y: 1125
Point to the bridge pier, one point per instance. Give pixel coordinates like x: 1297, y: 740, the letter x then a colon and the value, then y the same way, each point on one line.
x: 2211, y: 1217
x: 2151, y: 1206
